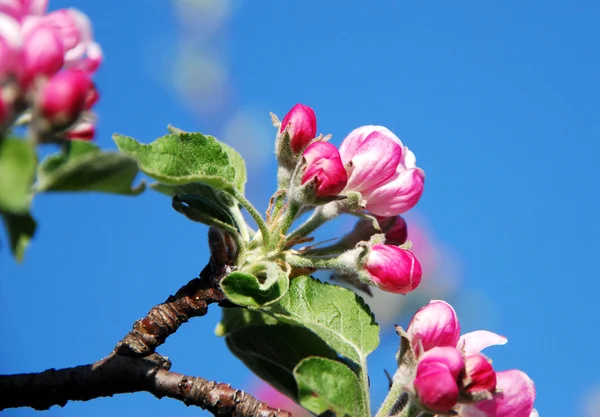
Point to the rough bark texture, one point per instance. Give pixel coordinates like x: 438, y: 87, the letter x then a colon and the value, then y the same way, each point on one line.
x: 120, y: 374
x: 134, y: 366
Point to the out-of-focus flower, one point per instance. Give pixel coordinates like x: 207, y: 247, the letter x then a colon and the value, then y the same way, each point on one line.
x: 63, y: 98
x: 43, y: 55
x: 301, y: 125
x: 382, y: 169
x: 436, y: 379
x: 325, y: 168
x: 393, y: 269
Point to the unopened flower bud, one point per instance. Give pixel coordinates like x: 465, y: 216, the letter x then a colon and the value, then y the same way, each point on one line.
x: 324, y: 166
x: 436, y: 378
x: 435, y: 324
x: 395, y: 229
x: 301, y: 125
x: 63, y: 98
x: 515, y: 398
x: 393, y: 269
x: 479, y: 376
x: 43, y: 54
x: 10, y: 47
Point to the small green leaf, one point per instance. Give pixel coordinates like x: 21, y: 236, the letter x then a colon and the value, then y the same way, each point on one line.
x: 184, y: 158
x: 327, y: 385
x: 336, y: 314
x: 83, y: 167
x: 247, y: 290
x: 17, y: 171
x: 20, y: 229
x: 272, y: 352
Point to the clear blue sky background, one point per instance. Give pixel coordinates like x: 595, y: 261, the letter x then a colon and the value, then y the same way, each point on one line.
x: 498, y: 100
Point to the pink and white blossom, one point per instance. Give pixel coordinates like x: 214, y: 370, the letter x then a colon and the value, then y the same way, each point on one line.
x: 324, y: 166
x: 393, y: 269
x: 435, y: 324
x: 515, y: 398
x: 383, y: 170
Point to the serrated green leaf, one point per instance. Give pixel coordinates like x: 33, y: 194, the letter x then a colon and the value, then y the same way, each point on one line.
x: 84, y: 167
x: 245, y: 289
x: 184, y: 158
x: 272, y: 352
x: 327, y: 385
x: 339, y: 316
x: 238, y: 163
x: 20, y: 229
x: 17, y: 171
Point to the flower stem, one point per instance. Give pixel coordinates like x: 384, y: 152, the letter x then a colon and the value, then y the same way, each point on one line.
x: 390, y: 401
x: 260, y: 222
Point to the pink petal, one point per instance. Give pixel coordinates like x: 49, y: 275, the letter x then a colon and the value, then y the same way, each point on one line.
x: 475, y: 342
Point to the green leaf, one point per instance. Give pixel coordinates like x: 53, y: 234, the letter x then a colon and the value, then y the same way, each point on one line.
x: 184, y: 158
x: 17, y: 171
x: 240, y: 318
x: 327, y: 385
x: 272, y: 352
x: 245, y: 289
x: 200, y: 209
x: 83, y: 167
x: 339, y: 316
x: 20, y: 229
x: 238, y: 163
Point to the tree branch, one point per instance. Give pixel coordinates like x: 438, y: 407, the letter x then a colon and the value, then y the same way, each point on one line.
x: 120, y: 374
x: 164, y: 319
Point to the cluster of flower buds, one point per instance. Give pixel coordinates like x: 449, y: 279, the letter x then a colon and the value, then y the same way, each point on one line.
x: 46, y: 64
x: 374, y: 168
x: 453, y: 375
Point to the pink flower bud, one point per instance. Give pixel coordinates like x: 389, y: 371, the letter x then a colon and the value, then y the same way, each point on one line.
x: 63, y: 98
x: 479, y: 375
x: 515, y: 398
x: 43, y: 54
x: 301, y: 123
x: 5, y: 113
x: 371, y: 154
x: 324, y: 166
x: 435, y: 382
x: 435, y: 324
x: 393, y: 269
x: 400, y: 192
x: 395, y: 229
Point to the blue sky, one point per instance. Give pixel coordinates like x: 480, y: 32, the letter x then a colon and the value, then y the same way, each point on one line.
x: 498, y: 100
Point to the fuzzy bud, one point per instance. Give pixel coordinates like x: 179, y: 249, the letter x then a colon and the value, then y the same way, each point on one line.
x: 301, y: 125
x: 324, y: 166
x: 393, y: 269
x: 435, y: 381
x: 435, y: 324
x: 63, y: 98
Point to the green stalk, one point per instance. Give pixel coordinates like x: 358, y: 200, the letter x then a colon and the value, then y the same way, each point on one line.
x: 260, y: 222
x: 390, y: 400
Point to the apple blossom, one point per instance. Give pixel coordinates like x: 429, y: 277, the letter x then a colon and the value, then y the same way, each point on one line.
x: 393, y: 269
x: 324, y: 166
x: 301, y: 124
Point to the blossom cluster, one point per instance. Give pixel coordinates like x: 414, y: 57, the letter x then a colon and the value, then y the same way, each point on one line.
x: 46, y: 64
x: 371, y: 162
x: 453, y: 375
